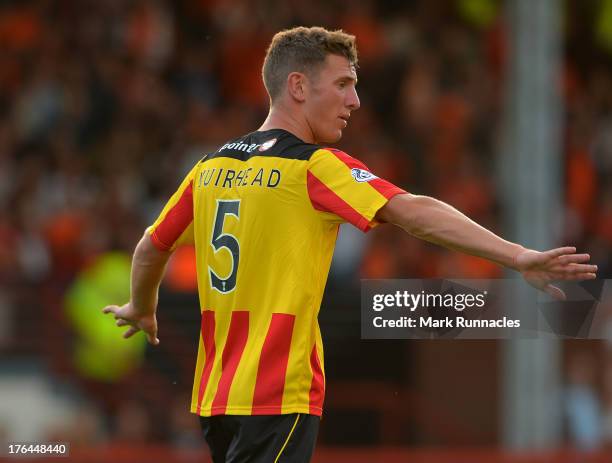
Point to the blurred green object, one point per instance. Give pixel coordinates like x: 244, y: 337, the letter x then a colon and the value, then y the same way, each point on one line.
x: 479, y: 12
x: 100, y: 352
x: 604, y: 25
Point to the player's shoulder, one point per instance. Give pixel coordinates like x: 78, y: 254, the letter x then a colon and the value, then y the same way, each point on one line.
x: 326, y: 151
x: 269, y: 143
x: 333, y: 155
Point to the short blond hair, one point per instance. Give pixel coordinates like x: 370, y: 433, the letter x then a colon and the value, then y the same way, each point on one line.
x: 303, y: 49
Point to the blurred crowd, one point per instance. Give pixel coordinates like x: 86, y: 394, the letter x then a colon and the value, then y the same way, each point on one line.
x: 104, y: 106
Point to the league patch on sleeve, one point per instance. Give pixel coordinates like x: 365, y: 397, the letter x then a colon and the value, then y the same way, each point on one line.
x: 361, y: 175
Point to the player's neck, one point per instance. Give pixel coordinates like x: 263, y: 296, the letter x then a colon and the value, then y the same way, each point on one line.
x: 283, y: 119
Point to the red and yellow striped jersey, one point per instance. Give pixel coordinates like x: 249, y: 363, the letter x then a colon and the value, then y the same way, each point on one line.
x: 263, y: 212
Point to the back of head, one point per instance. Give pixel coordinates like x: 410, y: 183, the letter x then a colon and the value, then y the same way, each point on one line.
x: 303, y: 49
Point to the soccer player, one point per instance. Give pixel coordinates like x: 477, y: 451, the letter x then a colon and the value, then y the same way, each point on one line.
x: 263, y: 212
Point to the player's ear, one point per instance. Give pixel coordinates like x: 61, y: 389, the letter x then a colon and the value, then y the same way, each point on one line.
x: 296, y: 86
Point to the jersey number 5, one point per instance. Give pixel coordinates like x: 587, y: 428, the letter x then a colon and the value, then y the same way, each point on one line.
x: 228, y: 241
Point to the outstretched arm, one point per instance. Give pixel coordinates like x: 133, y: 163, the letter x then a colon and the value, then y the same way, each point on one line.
x: 437, y: 222
x: 148, y: 267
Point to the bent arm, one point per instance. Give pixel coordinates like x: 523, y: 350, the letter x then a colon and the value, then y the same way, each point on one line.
x: 148, y: 268
x: 439, y: 223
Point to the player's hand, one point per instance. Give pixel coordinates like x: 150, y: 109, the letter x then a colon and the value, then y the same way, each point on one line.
x: 540, y: 269
x: 126, y: 315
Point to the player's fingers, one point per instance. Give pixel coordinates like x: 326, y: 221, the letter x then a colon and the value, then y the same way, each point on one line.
x: 122, y: 322
x: 580, y: 276
x: 553, y: 253
x: 152, y: 335
x: 575, y: 268
x: 573, y: 259
x: 554, y: 292
x: 153, y: 339
x: 131, y: 332
x: 110, y: 309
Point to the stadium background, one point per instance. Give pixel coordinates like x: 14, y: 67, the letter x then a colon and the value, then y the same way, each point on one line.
x: 104, y: 106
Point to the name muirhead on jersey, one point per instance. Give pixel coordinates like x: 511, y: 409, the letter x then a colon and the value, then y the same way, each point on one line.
x: 262, y: 315
x: 229, y: 178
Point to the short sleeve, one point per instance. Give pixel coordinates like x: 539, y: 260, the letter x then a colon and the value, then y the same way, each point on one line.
x: 342, y: 185
x: 174, y: 226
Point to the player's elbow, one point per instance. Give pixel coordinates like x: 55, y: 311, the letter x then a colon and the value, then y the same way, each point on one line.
x: 147, y: 251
